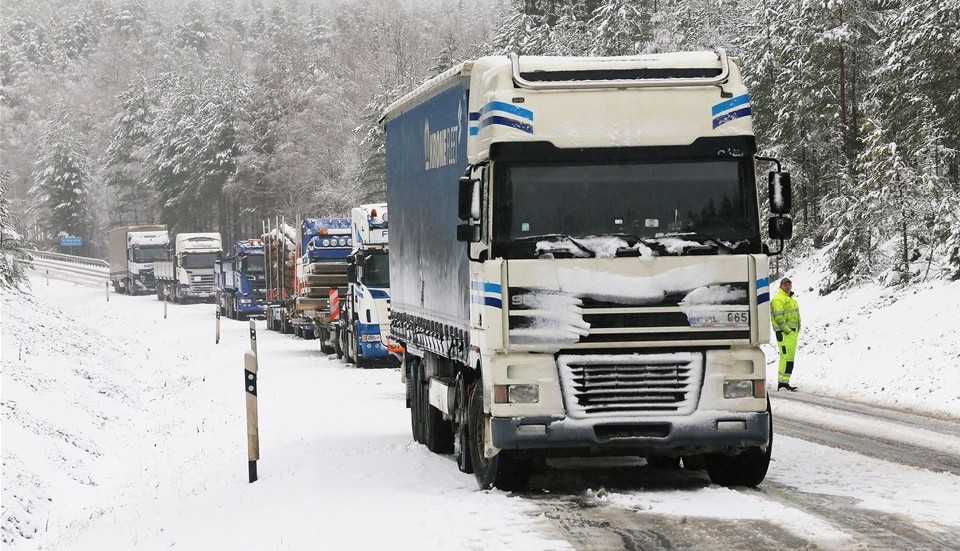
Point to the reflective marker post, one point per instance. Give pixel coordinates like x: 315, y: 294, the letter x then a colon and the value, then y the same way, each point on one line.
x: 250, y: 385
x: 164, y: 304
x: 108, y: 289
x: 218, y: 325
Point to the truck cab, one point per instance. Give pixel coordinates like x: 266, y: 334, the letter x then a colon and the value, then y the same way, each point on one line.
x: 240, y: 280
x: 189, y: 275
x: 578, y: 266
x: 132, y: 252
x: 365, y: 309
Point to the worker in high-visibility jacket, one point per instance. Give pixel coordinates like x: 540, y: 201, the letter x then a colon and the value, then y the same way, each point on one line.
x: 785, y: 317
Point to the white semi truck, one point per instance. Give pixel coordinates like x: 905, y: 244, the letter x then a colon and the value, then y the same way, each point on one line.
x: 189, y: 274
x: 577, y: 266
x: 132, y: 250
x: 365, y: 308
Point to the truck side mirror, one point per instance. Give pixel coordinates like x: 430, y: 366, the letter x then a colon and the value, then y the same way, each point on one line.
x: 780, y: 227
x: 468, y: 198
x: 468, y: 233
x: 778, y: 188
x: 351, y: 273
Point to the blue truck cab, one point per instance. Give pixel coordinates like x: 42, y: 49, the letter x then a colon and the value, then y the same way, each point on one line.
x: 240, y: 280
x: 321, y: 279
x: 365, y: 317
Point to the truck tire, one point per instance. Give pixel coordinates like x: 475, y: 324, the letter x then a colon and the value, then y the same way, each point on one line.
x: 352, y: 347
x: 461, y: 432
x: 437, y: 433
x: 116, y: 286
x: 338, y: 345
x: 749, y: 468
x: 504, y: 470
x: 236, y: 309
x: 416, y: 426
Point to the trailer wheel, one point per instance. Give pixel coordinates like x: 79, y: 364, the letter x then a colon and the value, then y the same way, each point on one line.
x: 415, y: 424
x: 437, y: 433
x: 504, y: 471
x: 749, y: 468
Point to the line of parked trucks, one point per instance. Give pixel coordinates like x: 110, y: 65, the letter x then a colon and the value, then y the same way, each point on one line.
x: 326, y: 279
x: 575, y: 266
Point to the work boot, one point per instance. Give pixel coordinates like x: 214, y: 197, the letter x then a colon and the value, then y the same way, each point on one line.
x: 786, y: 386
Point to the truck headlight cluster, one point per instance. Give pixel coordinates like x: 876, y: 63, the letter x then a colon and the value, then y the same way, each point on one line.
x: 516, y: 394
x: 744, y: 388
x: 370, y: 338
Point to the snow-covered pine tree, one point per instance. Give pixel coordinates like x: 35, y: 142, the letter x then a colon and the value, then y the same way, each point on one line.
x: 13, y: 247
x: 620, y: 27
x: 61, y: 183
x: 124, y: 168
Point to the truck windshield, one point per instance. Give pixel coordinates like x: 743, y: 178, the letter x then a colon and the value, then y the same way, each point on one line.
x: 708, y: 205
x: 252, y: 264
x: 196, y: 261
x: 376, y: 270
x: 149, y: 254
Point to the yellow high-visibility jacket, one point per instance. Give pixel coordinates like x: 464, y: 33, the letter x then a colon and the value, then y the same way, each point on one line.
x: 784, y: 312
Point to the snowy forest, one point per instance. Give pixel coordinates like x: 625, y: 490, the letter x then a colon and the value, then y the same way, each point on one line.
x: 214, y: 115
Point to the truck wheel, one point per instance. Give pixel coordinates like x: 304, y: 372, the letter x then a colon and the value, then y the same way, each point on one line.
x: 338, y: 344
x: 129, y: 285
x: 461, y: 433
x: 236, y: 309
x: 505, y: 471
x: 415, y: 424
x: 749, y: 468
x: 437, y: 433
x: 116, y: 286
x: 352, y: 346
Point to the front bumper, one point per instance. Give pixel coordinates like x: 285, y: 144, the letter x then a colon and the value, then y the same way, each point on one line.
x: 701, y: 432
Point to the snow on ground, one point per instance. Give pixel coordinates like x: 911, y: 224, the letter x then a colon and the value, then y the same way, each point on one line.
x: 122, y: 430
x: 892, y: 347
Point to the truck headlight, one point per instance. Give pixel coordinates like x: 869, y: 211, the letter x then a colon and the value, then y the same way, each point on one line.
x: 744, y: 388
x: 244, y: 301
x: 516, y: 394
x: 370, y: 338
x: 342, y: 242
x: 325, y: 242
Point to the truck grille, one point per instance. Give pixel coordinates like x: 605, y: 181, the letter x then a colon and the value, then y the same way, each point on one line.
x: 545, y: 320
x: 609, y: 385
x: 205, y: 285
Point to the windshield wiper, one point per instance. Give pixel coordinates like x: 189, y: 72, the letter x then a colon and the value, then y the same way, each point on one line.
x: 578, y: 244
x: 705, y: 238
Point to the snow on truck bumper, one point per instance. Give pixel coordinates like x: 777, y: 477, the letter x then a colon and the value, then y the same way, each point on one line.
x: 715, y: 431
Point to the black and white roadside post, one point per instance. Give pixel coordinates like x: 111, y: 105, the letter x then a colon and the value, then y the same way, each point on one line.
x: 164, y: 303
x: 107, y: 282
x: 250, y: 384
x: 47, y: 270
x: 218, y: 325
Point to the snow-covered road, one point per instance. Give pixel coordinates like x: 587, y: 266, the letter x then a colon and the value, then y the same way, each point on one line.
x: 122, y: 430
